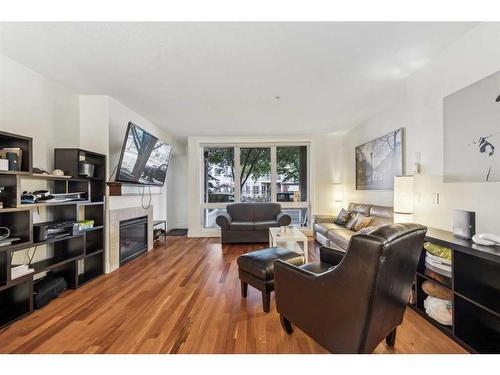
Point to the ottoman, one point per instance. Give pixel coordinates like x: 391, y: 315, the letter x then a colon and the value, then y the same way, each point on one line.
x: 257, y: 269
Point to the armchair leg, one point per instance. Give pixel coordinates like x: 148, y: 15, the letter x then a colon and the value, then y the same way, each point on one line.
x: 244, y: 289
x: 391, y: 338
x: 287, y: 326
x: 266, y: 301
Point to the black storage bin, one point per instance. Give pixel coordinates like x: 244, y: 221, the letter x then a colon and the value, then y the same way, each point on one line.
x: 48, y: 289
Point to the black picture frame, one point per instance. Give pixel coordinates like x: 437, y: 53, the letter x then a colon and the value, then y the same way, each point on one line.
x: 386, y: 183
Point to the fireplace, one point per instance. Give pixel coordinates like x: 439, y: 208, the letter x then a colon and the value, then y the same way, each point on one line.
x: 133, y: 238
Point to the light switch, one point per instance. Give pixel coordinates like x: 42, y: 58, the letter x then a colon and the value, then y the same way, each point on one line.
x: 435, y: 198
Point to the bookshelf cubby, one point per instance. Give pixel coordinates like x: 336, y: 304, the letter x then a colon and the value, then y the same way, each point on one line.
x: 16, y: 300
x: 475, y: 286
x: 8, y: 140
x: 78, y: 258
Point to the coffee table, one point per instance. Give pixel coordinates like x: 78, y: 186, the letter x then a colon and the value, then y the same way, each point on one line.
x: 293, y: 240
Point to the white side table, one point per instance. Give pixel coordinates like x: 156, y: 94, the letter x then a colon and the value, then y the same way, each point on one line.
x: 294, y: 240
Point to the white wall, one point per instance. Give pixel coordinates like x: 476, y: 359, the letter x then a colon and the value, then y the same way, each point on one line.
x: 327, y: 156
x: 34, y: 106
x: 94, y: 124
x: 469, y: 59
x: 324, y: 169
x: 119, y: 117
x: 177, y: 183
x: 104, y: 123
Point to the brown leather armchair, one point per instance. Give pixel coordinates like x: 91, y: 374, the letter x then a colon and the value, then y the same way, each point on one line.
x: 349, y: 302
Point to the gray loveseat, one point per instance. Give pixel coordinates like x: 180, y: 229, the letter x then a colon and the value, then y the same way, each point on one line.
x: 250, y: 222
x: 334, y: 236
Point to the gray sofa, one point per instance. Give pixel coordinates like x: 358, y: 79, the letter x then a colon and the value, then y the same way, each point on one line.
x: 334, y: 236
x: 250, y: 222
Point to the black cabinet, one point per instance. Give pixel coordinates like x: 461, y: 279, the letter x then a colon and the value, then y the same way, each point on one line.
x: 475, y: 286
x: 78, y: 258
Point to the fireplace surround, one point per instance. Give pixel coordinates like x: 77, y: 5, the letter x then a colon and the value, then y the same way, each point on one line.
x: 115, y: 217
x: 133, y: 238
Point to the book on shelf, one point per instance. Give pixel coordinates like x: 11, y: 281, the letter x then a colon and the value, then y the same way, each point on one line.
x: 20, y: 270
x: 437, y: 259
x: 86, y: 224
x: 8, y: 241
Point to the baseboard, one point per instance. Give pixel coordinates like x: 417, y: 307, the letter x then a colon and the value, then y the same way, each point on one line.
x: 204, y: 233
x: 176, y: 225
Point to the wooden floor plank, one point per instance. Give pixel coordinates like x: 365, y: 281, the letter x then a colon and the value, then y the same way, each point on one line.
x: 182, y: 297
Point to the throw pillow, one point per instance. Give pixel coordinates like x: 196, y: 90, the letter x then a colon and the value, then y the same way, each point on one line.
x: 353, y: 219
x: 342, y: 217
x: 362, y: 223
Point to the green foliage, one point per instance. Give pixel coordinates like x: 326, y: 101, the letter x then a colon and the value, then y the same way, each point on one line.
x: 288, y: 163
x: 256, y: 162
x: 222, y: 159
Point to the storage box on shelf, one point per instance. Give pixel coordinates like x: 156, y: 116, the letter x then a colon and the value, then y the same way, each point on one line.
x: 78, y: 258
x: 25, y: 144
x: 475, y: 291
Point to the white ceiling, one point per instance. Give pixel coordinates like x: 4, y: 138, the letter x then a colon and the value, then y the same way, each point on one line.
x: 222, y: 78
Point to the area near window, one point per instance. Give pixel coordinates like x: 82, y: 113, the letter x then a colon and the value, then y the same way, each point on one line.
x: 255, y: 173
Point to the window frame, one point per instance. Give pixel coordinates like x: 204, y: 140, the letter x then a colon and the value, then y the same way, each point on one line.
x: 237, y: 177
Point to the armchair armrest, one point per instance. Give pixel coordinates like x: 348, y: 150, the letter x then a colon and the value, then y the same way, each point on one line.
x: 323, y: 218
x: 283, y: 219
x: 283, y: 268
x: 330, y: 256
x: 223, y: 220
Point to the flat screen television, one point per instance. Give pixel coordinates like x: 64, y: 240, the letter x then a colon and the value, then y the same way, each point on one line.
x: 144, y: 158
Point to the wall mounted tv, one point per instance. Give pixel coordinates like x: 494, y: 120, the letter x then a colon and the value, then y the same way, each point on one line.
x: 144, y: 158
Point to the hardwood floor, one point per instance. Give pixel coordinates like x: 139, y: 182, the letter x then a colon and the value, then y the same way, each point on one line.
x: 183, y: 297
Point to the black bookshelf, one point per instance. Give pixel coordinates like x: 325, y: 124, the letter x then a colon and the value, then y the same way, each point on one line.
x: 475, y: 285
x: 78, y: 258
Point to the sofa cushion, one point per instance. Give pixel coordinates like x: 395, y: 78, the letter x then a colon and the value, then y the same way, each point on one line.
x: 342, y: 217
x: 354, y: 219
x: 324, y: 228
x: 362, y: 223
x: 383, y: 212
x: 265, y: 225
x: 242, y: 225
x: 260, y: 263
x: 341, y: 237
x: 361, y: 208
x: 241, y: 211
x: 367, y: 230
x: 378, y: 221
x: 265, y: 211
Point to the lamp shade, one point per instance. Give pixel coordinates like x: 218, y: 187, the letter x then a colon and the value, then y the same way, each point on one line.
x: 403, y: 197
